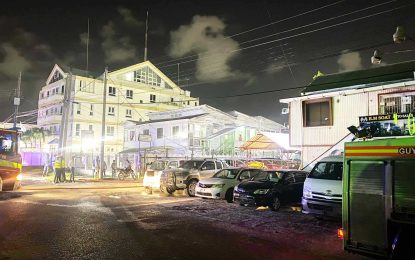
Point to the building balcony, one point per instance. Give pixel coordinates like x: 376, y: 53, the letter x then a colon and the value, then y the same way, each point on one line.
x: 53, y: 99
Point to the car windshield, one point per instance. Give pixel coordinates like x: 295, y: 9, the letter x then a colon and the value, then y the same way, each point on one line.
x: 327, y: 171
x: 7, y: 143
x: 226, y: 174
x: 158, y: 165
x: 192, y: 165
x: 273, y: 176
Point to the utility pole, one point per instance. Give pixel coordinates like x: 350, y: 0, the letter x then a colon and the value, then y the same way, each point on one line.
x: 104, y: 107
x: 63, y: 133
x: 87, y: 50
x: 145, y: 40
x: 16, y: 100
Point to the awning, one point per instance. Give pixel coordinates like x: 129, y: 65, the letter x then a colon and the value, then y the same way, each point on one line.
x: 269, y: 141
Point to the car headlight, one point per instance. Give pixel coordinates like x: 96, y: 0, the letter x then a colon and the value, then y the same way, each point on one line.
x: 261, y: 191
x: 307, y: 192
x: 218, y: 185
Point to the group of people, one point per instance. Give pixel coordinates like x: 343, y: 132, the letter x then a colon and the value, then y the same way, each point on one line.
x: 59, y: 167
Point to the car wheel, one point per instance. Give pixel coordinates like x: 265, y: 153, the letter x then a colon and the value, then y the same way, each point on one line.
x: 191, y: 188
x: 170, y: 190
x: 1, y: 184
x: 121, y: 176
x: 275, y: 204
x: 148, y: 190
x: 229, y: 195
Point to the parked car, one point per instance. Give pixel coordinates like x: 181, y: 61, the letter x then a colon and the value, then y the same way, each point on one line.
x: 189, y: 174
x: 271, y: 188
x: 220, y: 185
x: 322, y: 195
x: 152, y: 174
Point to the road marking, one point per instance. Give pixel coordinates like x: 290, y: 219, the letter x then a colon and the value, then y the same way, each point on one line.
x: 155, y: 203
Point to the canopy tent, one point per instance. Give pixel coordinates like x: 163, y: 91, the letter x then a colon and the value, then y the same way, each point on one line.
x: 269, y: 141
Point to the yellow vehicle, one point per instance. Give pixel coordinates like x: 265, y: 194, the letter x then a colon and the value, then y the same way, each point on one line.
x: 10, y: 160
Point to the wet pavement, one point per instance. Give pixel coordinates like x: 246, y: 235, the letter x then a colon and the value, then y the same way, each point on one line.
x: 101, y: 221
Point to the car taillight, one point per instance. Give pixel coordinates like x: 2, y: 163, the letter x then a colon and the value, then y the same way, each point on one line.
x: 340, y: 233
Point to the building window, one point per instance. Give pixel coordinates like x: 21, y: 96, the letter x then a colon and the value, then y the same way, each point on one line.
x: 132, y: 134
x: 77, y: 129
x: 62, y: 89
x: 175, y: 131
x: 110, y: 130
x: 91, y: 128
x: 146, y: 132
x: 159, y: 133
x: 111, y: 91
x: 141, y: 101
x: 111, y: 111
x: 128, y: 113
x: 129, y: 94
x: 403, y: 102
x: 195, y: 104
x: 91, y: 110
x: 78, y: 109
x: 47, y: 93
x: 152, y: 98
x: 317, y: 112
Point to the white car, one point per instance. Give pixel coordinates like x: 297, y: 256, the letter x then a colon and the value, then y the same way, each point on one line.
x: 152, y: 175
x: 220, y: 185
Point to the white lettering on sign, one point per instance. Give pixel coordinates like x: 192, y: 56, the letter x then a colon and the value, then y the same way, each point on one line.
x: 406, y: 150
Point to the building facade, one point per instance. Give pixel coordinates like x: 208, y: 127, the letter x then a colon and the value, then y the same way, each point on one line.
x: 131, y: 93
x: 319, y: 118
x: 201, y: 131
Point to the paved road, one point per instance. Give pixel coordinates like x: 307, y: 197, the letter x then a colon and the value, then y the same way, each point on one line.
x: 98, y: 222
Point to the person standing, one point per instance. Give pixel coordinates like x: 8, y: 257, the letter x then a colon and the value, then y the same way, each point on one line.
x: 62, y: 169
x: 72, y: 168
x: 104, y: 169
x: 57, y: 167
x: 46, y: 166
x: 97, y: 167
x: 113, y: 168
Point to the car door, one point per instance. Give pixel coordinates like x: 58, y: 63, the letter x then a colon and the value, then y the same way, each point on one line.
x: 299, y: 184
x: 288, y: 186
x: 207, y: 169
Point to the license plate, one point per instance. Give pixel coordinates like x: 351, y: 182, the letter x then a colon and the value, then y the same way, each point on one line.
x: 202, y: 190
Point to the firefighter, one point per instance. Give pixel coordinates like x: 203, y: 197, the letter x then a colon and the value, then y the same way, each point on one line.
x: 59, y: 169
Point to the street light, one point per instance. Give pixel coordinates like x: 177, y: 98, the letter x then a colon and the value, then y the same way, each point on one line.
x: 400, y: 35
x: 376, y: 58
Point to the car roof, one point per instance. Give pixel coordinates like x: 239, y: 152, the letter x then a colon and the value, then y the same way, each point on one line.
x: 286, y: 170
x: 332, y: 158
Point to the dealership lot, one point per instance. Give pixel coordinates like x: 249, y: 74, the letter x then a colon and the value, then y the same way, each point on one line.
x: 104, y: 222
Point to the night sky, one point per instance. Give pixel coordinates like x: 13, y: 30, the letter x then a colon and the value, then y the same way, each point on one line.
x: 223, y: 48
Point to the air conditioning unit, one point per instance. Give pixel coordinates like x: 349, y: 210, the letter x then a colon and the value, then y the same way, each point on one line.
x: 285, y: 111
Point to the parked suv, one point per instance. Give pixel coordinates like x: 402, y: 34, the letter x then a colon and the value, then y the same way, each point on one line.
x: 152, y: 175
x: 188, y: 175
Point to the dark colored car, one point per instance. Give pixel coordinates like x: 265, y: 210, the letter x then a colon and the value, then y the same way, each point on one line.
x: 271, y: 188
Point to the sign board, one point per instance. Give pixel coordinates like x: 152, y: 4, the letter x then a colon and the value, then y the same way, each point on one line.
x: 388, y: 124
x: 144, y: 138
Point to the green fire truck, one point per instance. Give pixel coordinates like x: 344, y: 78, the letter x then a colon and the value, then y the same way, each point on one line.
x: 378, y: 209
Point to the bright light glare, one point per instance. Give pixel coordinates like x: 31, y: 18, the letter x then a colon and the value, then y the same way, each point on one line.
x: 19, y: 177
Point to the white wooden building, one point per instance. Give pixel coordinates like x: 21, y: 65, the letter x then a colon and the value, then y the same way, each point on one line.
x: 319, y: 117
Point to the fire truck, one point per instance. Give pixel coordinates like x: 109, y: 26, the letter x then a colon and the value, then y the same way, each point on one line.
x: 378, y: 212
x: 10, y: 160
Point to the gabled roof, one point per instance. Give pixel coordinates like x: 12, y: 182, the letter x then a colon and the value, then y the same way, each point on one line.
x: 141, y: 65
x: 268, y: 141
x: 55, y: 69
x: 375, y: 76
